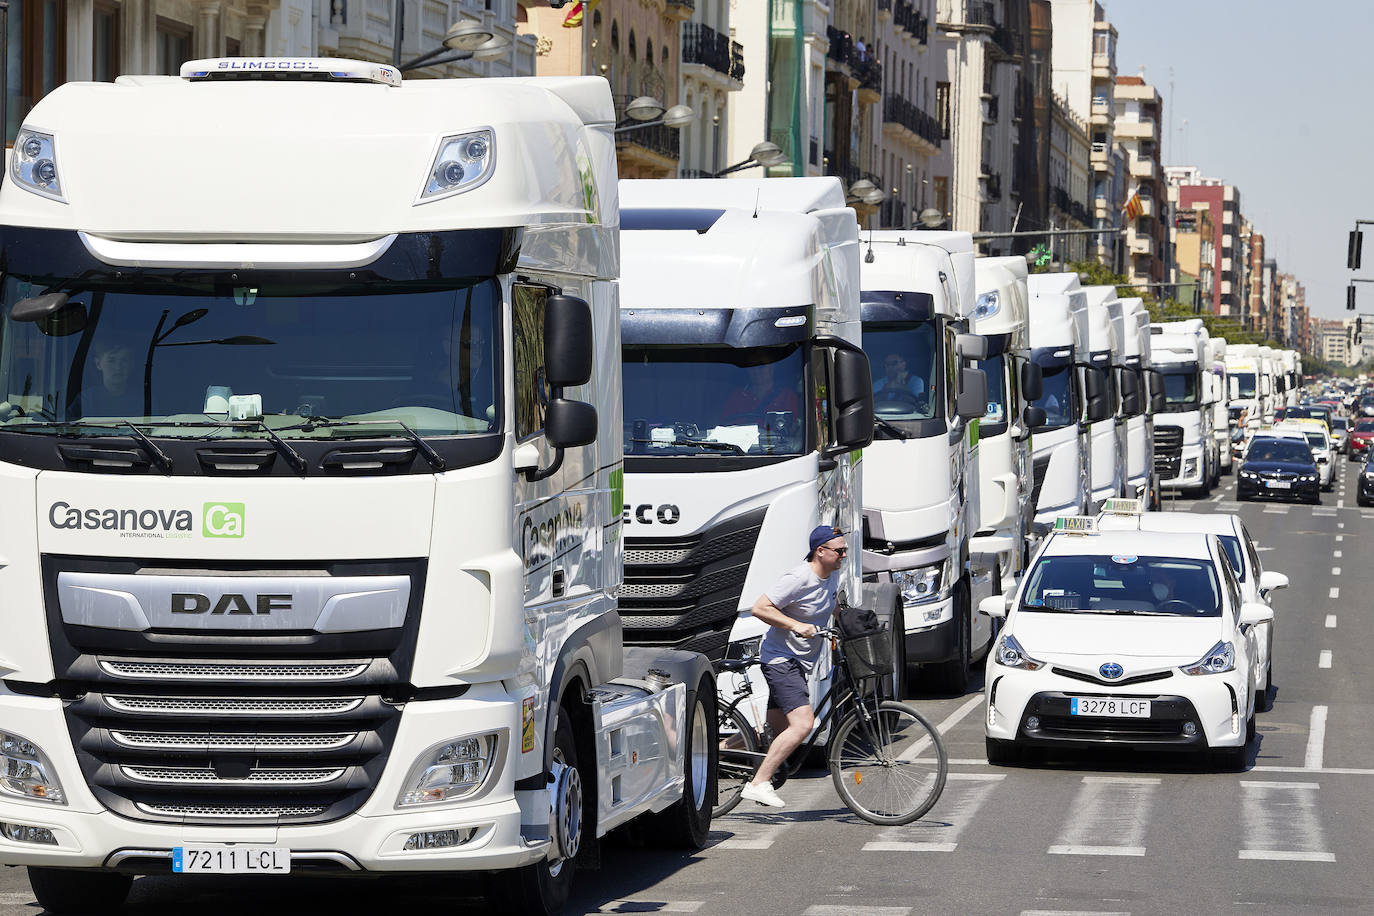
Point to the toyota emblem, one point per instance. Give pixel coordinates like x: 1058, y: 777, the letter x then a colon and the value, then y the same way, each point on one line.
x: 1111, y: 671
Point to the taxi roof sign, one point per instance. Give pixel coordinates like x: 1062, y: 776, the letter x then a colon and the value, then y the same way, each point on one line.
x: 1118, y: 506
x: 1076, y: 524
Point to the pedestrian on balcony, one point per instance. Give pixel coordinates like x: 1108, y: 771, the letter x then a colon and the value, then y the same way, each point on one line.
x: 862, y: 47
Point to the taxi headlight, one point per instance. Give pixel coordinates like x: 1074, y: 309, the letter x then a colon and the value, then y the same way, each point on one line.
x: 33, y: 164
x: 449, y: 771
x: 26, y: 772
x: 463, y: 162
x: 1011, y: 655
x: 920, y: 584
x: 1218, y: 660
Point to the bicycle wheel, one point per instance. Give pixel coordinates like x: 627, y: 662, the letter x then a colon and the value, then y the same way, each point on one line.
x: 738, y: 760
x: 889, y: 767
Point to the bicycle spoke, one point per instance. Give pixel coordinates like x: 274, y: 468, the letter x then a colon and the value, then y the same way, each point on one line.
x: 890, y: 769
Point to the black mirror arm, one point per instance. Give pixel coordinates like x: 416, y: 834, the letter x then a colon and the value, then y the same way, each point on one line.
x: 534, y: 475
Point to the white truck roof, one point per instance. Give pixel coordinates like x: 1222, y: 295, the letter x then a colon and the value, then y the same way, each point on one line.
x: 908, y: 260
x: 959, y: 251
x: 1058, y: 311
x: 1008, y: 312
x: 1101, y: 334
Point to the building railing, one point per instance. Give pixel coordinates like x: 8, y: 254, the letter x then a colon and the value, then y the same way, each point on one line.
x: 696, y: 173
x: 703, y: 45
x: 736, y: 61
x: 841, y: 48
x: 913, y: 21
x: 885, y: 6
x: 660, y: 138
x: 990, y: 108
x: 870, y: 73
x: 979, y: 12
x: 897, y: 110
x: 994, y: 186
x: 893, y: 214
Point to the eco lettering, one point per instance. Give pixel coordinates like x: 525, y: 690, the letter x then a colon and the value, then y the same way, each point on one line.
x: 223, y: 520
x: 65, y: 515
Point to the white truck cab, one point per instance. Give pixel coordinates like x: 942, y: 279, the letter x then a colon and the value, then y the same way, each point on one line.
x: 1221, y: 406
x: 1108, y: 434
x: 1245, y: 387
x: 1185, y: 447
x: 313, y: 532
x: 1130, y: 323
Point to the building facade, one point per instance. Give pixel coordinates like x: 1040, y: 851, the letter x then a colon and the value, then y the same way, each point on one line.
x: 1188, y: 189
x: 909, y: 141
x: 1138, y: 115
x: 1069, y: 181
x: 1195, y: 258
x: 712, y: 71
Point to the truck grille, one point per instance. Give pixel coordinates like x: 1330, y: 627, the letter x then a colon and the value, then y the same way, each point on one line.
x: 249, y: 727
x: 685, y: 592
x: 1168, y: 451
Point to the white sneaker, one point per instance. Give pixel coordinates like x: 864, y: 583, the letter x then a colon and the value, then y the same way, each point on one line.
x: 764, y: 794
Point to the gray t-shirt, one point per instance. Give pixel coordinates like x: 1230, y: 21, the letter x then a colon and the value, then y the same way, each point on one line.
x: 806, y: 598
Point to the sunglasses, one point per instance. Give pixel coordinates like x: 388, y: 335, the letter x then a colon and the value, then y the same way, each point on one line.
x: 838, y: 551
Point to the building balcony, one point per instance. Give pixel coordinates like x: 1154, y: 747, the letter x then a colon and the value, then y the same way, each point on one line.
x: 884, y: 9
x: 870, y: 74
x: 1144, y: 168
x: 990, y: 109
x: 1137, y: 130
x: 1147, y: 206
x: 680, y: 10
x: 1100, y: 113
x: 991, y: 185
x: 1141, y: 244
x: 653, y: 149
x: 905, y: 119
x: 704, y: 47
x: 1099, y: 156
x: 1103, y: 66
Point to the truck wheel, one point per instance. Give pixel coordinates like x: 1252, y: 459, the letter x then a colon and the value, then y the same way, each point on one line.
x: 899, y: 668
x: 952, y: 676
x: 686, y: 824
x: 66, y: 890
x: 542, y: 889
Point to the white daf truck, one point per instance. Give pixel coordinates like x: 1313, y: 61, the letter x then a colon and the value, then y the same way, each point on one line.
x: 747, y: 401
x: 921, y: 484
x: 1005, y: 510
x: 1131, y: 329
x: 313, y: 518
x: 1221, y: 405
x: 1185, y: 448
x: 1108, y: 463
x: 1247, y: 384
x: 1060, y: 448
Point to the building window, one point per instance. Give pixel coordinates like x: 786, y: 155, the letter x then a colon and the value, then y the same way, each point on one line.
x: 105, y: 50
x: 43, y: 54
x: 173, y: 46
x: 942, y: 108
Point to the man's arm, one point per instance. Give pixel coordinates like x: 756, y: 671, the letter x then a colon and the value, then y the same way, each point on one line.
x: 765, y: 610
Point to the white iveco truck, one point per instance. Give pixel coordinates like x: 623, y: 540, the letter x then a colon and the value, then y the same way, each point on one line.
x: 1185, y: 448
x: 311, y: 462
x: 920, y: 480
x: 747, y: 399
x: 1060, y: 449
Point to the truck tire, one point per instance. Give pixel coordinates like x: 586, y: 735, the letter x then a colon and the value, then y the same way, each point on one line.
x: 686, y: 824
x: 898, y: 681
x: 952, y: 676
x: 68, y: 891
x: 542, y: 889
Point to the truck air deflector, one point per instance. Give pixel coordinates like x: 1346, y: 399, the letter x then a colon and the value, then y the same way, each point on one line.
x: 235, y: 256
x: 670, y: 220
x: 1052, y: 357
x: 718, y: 327
x: 893, y: 306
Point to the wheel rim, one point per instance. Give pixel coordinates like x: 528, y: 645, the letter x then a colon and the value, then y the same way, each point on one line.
x: 895, y: 772
x: 568, y: 812
x: 699, y: 764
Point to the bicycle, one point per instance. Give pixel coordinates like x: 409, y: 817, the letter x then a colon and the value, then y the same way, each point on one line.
x: 887, y: 762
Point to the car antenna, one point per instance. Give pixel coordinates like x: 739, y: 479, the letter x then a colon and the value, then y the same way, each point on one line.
x: 868, y: 258
x: 758, y: 196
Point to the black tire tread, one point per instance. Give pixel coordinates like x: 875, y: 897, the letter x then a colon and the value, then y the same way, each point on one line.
x: 72, y: 892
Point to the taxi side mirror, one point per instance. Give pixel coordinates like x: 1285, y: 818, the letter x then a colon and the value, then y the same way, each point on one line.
x: 994, y: 606
x: 1252, y: 613
x: 1272, y: 581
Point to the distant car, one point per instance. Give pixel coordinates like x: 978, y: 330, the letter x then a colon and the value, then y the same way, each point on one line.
x: 1364, y: 491
x: 1320, y: 443
x: 1366, y: 407
x: 1280, y: 466
x: 1340, y: 434
x: 1360, y: 438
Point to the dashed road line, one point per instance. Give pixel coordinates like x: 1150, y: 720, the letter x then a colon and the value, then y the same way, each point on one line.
x: 1280, y: 822
x: 1336, y: 555
x: 1335, y: 592
x: 1108, y: 817
x: 1316, y: 739
x: 1276, y: 510
x: 1324, y: 660
x: 1333, y: 771
x: 849, y: 909
x: 1072, y: 913
x: 1331, y: 621
x: 651, y: 906
x: 1339, y: 538
x: 1335, y: 570
x: 1324, y: 513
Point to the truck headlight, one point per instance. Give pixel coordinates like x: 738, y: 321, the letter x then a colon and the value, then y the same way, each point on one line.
x: 449, y: 771
x: 1189, y: 467
x: 1218, y: 660
x: 26, y: 772
x: 920, y: 584
x: 462, y: 163
x: 33, y: 164
x: 1011, y: 655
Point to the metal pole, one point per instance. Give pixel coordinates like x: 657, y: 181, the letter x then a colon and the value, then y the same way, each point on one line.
x: 4, y: 73
x: 398, y: 30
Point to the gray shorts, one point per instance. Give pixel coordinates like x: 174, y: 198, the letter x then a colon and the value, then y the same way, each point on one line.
x: 787, y: 689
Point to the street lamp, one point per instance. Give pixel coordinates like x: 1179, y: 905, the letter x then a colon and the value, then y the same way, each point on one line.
x: 764, y: 153
x: 493, y: 49
x: 931, y: 218
x: 466, y: 39
x: 647, y: 111
x: 866, y: 192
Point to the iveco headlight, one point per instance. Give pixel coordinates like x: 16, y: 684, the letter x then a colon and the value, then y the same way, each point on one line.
x: 462, y: 163
x: 1011, y: 655
x: 33, y: 164
x: 1218, y: 660
x: 449, y: 771
x: 921, y: 584
x: 988, y: 305
x: 26, y: 772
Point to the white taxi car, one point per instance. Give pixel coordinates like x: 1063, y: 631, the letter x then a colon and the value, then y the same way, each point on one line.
x: 1126, y: 638
x: 1256, y: 583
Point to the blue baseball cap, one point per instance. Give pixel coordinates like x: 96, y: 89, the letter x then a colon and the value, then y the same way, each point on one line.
x: 819, y: 535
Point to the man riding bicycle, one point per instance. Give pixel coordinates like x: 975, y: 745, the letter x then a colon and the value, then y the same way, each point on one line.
x: 802, y: 600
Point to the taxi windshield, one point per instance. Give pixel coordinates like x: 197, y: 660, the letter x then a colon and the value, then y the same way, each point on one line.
x: 1123, y: 584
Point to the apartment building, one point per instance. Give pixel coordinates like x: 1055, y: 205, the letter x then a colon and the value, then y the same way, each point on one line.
x: 1334, y: 342
x: 1260, y: 304
x: 712, y: 71
x: 909, y: 141
x: 1194, y: 257
x: 1189, y: 189
x: 1084, y: 74
x: 1137, y: 118
x: 1069, y: 180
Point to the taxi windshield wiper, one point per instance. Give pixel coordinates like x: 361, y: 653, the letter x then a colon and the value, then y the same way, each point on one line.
x: 702, y: 443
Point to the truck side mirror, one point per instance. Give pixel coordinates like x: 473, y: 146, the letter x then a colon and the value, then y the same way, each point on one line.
x: 1158, y: 401
x: 1130, y: 393
x: 971, y: 400
x: 567, y: 341
x: 1032, y: 381
x: 1033, y: 416
x: 971, y: 347
x: 54, y: 315
x: 568, y: 423
x: 1096, y: 407
x: 852, y: 398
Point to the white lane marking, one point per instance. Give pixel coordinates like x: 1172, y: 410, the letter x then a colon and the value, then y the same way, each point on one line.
x: 1325, y: 513
x: 651, y: 906
x: 943, y: 728
x: 1337, y: 555
x: 1324, y: 660
x: 1335, y: 570
x: 1331, y: 621
x: 1316, y: 738
x: 850, y: 909
x: 1340, y: 504
x: 1334, y: 771
x: 1108, y: 817
x: 1280, y: 822
x: 1071, y: 913
x: 754, y: 826
x: 968, y: 761
x: 1276, y: 510
x: 1340, y: 524
x: 1335, y: 592
x: 964, y: 794
x: 1339, y: 538
x: 1228, y: 506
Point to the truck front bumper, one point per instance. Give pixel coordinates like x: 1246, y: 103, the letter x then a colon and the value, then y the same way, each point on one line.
x: 932, y: 642
x: 1190, y: 470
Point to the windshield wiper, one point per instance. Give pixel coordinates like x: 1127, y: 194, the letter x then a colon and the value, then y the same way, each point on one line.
x: 891, y: 428
x: 159, y: 457
x: 434, y: 459
x: 703, y: 443
x: 293, y: 457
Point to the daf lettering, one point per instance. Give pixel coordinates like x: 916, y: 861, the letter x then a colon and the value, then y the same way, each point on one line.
x: 229, y: 603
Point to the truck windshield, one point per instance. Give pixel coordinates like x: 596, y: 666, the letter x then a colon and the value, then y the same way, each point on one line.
x: 1123, y: 584
x: 1180, y: 390
x: 1245, y: 384
x: 906, y: 372
x: 175, y: 356
x: 714, y: 400
x: 1057, y: 397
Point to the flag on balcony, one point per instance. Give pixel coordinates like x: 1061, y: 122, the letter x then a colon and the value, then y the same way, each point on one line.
x: 1134, y: 207
x: 580, y: 8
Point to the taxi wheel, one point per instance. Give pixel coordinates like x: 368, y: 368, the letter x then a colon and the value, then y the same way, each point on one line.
x: 1230, y: 759
x: 1003, y: 753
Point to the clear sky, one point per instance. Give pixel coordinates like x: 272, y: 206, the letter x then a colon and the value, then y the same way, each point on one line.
x: 1271, y: 96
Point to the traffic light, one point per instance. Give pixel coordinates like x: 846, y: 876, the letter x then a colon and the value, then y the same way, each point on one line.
x: 1352, y: 249
x: 1350, y: 298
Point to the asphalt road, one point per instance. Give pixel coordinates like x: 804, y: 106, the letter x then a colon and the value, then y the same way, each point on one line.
x: 1092, y: 833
